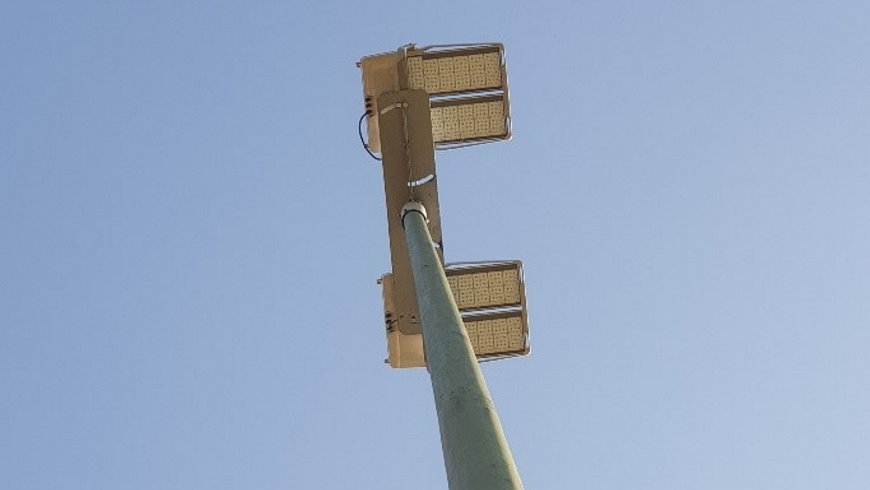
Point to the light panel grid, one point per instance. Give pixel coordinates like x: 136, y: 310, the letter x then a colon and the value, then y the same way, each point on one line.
x: 496, y: 336
x: 469, y: 121
x: 454, y: 72
x: 486, y: 288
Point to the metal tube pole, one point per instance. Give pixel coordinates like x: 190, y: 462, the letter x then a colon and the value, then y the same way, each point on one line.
x: 476, y: 452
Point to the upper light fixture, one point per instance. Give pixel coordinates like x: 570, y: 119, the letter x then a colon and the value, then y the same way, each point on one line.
x: 467, y: 86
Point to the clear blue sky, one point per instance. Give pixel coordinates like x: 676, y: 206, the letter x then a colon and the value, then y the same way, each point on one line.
x: 190, y: 236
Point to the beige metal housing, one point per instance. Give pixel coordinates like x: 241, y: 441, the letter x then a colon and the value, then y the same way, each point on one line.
x: 409, y: 176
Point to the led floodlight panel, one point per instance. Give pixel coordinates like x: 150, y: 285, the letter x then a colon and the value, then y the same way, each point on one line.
x: 468, y: 120
x: 485, y: 287
x: 456, y: 69
x: 497, y: 336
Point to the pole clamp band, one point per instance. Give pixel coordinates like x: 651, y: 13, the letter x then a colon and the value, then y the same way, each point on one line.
x: 414, y: 207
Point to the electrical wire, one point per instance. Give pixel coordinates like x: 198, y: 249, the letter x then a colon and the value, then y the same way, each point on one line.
x: 362, y: 140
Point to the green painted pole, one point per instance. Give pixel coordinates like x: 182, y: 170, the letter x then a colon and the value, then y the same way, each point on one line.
x: 476, y: 452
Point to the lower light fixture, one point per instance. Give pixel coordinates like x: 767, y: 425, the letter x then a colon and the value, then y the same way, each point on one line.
x: 491, y: 299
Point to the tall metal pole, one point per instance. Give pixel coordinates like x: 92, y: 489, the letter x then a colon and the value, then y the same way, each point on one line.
x: 476, y: 453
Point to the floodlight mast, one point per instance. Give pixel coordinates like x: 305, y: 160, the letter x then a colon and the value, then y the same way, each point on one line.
x: 476, y: 452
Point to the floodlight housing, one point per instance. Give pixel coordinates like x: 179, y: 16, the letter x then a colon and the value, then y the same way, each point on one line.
x: 467, y: 85
x: 491, y: 299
